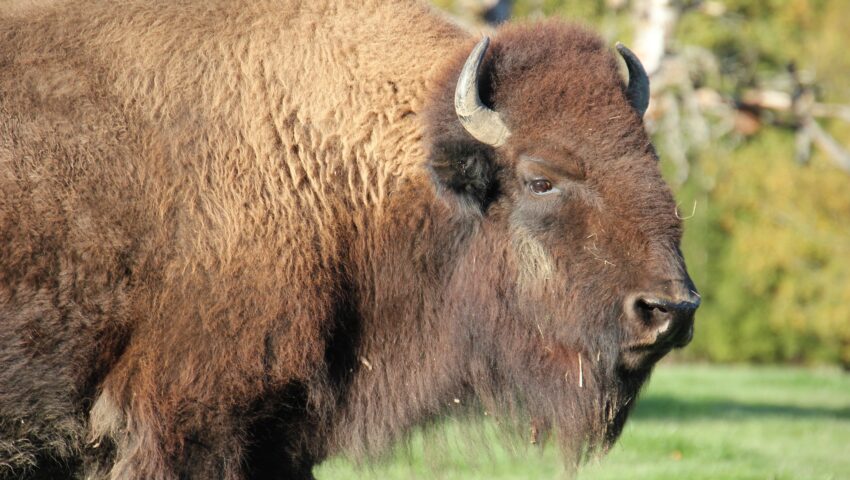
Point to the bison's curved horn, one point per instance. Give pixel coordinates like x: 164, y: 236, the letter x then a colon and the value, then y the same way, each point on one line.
x: 638, y: 89
x: 484, y: 124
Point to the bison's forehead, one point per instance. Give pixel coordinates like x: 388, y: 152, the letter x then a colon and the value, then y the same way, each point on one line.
x: 562, y: 93
x: 560, y: 84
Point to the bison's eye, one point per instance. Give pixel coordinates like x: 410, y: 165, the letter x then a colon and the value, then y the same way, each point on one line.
x: 540, y: 186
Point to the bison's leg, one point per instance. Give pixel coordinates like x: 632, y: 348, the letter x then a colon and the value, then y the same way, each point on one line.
x: 193, y: 415
x: 52, y: 350
x: 268, y: 458
x: 271, y: 438
x: 281, y: 437
x: 154, y: 440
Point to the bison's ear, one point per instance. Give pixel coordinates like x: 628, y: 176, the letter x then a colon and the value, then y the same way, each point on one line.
x: 466, y: 169
x: 464, y: 134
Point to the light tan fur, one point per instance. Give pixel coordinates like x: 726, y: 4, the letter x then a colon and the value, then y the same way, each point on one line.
x: 205, y: 158
x: 535, y: 262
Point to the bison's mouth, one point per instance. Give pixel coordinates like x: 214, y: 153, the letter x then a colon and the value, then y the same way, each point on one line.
x: 664, y: 339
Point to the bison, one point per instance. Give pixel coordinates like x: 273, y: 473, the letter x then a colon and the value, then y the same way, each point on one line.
x: 238, y: 237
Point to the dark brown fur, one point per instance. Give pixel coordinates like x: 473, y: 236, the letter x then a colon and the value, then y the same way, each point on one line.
x: 237, y: 238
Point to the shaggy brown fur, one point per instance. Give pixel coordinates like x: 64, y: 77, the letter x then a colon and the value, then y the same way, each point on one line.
x: 223, y: 253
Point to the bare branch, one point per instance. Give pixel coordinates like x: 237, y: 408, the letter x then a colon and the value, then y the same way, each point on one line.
x: 830, y: 146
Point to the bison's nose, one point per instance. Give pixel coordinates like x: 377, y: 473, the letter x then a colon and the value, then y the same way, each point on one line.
x: 665, y: 321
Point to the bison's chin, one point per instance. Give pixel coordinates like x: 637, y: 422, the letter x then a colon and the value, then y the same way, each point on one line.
x: 580, y: 401
x: 604, y: 403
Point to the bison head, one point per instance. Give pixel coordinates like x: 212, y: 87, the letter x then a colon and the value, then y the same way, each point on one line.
x: 572, y: 285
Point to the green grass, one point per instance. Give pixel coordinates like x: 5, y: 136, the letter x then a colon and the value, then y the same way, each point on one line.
x: 692, y: 422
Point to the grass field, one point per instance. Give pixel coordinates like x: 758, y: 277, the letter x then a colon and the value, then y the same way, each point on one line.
x: 692, y: 422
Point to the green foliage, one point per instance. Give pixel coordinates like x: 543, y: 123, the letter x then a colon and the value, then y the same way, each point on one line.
x: 770, y: 245
x: 769, y: 241
x: 772, y: 255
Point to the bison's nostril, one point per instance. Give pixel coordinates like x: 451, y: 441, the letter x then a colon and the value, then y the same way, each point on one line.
x: 675, y: 307
x: 663, y: 320
x: 646, y: 307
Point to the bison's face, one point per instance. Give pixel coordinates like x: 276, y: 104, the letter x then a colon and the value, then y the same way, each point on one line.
x: 579, y: 233
x: 594, y: 245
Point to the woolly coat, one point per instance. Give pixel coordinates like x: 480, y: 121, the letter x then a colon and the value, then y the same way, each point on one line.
x: 239, y: 153
x: 237, y: 237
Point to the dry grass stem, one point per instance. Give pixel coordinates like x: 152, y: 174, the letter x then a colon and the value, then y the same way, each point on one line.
x: 580, y: 373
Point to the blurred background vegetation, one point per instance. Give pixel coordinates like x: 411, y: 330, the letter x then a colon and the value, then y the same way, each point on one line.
x: 751, y: 115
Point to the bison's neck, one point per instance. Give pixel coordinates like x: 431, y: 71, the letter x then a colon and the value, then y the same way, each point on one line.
x: 295, y: 149
x: 396, y: 372
x: 394, y: 240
